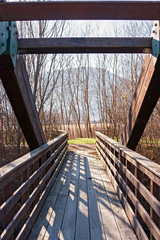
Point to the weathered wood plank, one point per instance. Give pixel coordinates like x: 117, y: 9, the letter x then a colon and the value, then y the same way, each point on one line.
x: 39, y: 229
x: 136, y: 195
x: 109, y: 225
x: 123, y: 224
x: 68, y: 228
x: 63, y: 10
x: 56, y: 218
x: 96, y: 231
x: 82, y: 219
x: 150, y: 168
x: 84, y: 45
x: 134, y: 222
x: 17, y: 86
x: 83, y: 206
x: 153, y: 202
x: 41, y: 187
x: 9, y: 204
x: 143, y: 103
x: 15, y: 168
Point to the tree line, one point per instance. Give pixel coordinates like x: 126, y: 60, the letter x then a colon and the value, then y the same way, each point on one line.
x: 79, y: 93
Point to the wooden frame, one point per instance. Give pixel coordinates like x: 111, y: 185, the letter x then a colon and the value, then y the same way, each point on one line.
x: 84, y: 45
x: 17, y: 86
x: 25, y: 184
x: 59, y: 10
x: 140, y: 195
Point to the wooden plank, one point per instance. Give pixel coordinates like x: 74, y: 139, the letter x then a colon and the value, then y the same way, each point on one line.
x: 96, y: 231
x: 152, y: 227
x: 63, y: 10
x: 84, y: 45
x: 68, y: 228
x: 9, y: 204
x: 40, y: 226
x: 109, y: 225
x: 153, y: 202
x: 123, y: 224
x: 16, y: 167
x: 150, y: 168
x: 17, y: 86
x: 22, y: 211
x: 143, y: 103
x: 134, y: 222
x: 82, y: 219
x: 35, y: 212
x: 56, y: 219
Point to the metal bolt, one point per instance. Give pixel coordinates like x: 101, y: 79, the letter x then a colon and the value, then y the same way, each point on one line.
x: 2, y: 34
x: 154, y: 31
x: 13, y: 55
x: 2, y: 44
x: 155, y: 24
x: 9, y: 28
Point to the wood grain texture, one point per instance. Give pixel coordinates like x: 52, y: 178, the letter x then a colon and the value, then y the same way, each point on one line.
x: 63, y: 10
x: 144, y: 100
x: 126, y: 170
x: 84, y: 45
x: 17, y: 86
x: 86, y: 206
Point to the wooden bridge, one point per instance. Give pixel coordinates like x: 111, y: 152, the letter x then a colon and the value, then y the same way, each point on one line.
x: 53, y: 193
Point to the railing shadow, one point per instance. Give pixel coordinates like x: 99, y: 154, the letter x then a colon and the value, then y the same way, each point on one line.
x: 72, y: 210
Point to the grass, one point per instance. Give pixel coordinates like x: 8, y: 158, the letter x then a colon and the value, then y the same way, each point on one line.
x: 82, y: 141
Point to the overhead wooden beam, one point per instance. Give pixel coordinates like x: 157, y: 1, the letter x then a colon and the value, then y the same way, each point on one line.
x: 17, y: 86
x: 84, y: 45
x: 69, y: 10
x: 143, y: 103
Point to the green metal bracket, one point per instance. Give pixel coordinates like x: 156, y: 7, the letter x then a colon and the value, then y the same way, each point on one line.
x: 156, y: 39
x: 9, y: 40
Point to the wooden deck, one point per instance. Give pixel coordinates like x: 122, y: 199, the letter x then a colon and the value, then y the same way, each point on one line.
x: 82, y: 204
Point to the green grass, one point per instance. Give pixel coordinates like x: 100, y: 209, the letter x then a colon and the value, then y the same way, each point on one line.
x: 82, y: 141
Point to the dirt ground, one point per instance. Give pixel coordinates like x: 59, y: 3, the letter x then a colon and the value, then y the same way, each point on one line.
x: 88, y: 148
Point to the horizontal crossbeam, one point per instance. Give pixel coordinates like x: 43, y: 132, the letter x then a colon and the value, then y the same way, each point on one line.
x: 84, y: 45
x: 63, y: 10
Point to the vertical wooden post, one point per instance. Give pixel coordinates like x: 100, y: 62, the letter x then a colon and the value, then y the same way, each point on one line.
x: 155, y: 190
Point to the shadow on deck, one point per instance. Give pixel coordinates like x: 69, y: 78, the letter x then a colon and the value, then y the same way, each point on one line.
x: 82, y: 204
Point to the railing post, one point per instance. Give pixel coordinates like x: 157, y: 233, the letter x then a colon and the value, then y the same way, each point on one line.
x: 155, y: 190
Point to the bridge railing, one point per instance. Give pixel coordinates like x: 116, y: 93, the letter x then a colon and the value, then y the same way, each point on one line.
x: 25, y: 184
x: 136, y: 180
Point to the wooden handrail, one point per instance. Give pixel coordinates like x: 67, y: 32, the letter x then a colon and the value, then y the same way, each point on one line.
x: 25, y: 184
x: 136, y: 180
